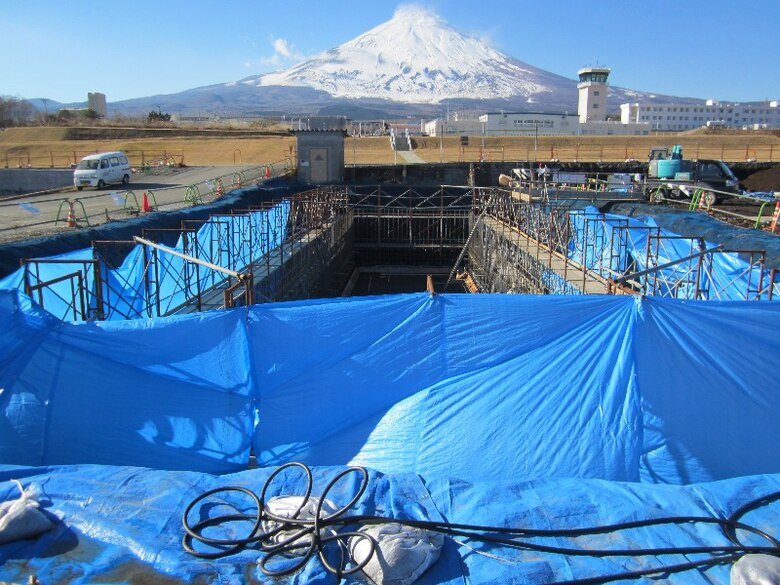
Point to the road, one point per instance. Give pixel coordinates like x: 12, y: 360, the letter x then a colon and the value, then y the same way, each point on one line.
x: 33, y: 215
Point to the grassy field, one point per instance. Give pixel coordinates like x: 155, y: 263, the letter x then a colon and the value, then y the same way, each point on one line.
x: 45, y: 147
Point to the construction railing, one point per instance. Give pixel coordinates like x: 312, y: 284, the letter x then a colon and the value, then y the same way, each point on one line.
x: 563, y: 250
x: 45, y: 213
x: 284, y: 250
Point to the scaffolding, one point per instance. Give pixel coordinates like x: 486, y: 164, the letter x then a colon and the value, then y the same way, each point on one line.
x: 309, y: 244
x: 536, y: 247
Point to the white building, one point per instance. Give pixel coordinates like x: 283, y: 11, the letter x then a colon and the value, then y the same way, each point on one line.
x: 455, y: 124
x: 687, y: 116
x: 591, y: 118
x: 610, y: 128
x: 592, y: 88
x: 527, y: 124
x: 97, y: 103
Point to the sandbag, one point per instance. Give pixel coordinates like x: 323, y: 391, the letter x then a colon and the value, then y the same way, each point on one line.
x: 22, y: 518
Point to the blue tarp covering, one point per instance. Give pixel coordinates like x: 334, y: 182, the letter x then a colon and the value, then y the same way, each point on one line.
x: 495, y: 409
x: 596, y: 243
x: 570, y: 386
x: 229, y: 241
x: 123, y: 524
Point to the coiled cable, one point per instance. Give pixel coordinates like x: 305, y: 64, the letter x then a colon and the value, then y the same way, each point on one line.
x: 290, y: 541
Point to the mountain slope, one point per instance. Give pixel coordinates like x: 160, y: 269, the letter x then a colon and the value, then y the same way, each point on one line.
x: 410, y: 65
x: 416, y: 58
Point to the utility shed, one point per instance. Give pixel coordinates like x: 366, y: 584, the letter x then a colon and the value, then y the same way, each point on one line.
x: 320, y: 156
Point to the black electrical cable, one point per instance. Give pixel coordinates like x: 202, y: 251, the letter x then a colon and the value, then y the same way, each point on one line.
x: 294, y: 537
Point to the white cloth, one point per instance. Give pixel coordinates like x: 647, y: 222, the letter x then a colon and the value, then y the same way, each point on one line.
x: 402, y: 553
x: 286, y: 506
x: 756, y: 570
x: 21, y: 518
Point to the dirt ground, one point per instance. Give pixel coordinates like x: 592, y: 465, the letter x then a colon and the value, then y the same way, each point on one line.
x: 766, y: 180
x: 47, y: 147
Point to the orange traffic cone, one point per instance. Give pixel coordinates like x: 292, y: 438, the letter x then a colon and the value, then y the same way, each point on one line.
x: 145, y: 207
x: 775, y: 217
x: 267, y: 172
x: 71, y: 216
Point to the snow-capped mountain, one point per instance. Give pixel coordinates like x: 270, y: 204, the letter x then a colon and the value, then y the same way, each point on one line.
x: 409, y: 65
x: 416, y: 58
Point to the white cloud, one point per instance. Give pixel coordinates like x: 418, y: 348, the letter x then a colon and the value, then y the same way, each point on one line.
x: 284, y: 53
x: 282, y: 48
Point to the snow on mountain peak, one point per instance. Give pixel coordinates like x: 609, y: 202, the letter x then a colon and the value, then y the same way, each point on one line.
x: 415, y: 57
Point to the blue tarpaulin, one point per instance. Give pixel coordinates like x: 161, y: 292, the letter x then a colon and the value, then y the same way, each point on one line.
x: 389, y: 381
x: 123, y: 525
x: 232, y: 242
x: 497, y: 409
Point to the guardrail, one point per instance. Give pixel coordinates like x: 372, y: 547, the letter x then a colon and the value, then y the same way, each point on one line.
x: 143, y: 160
x: 46, y: 213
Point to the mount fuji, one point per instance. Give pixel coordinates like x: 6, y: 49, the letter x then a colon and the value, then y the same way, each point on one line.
x: 412, y: 64
x: 416, y: 58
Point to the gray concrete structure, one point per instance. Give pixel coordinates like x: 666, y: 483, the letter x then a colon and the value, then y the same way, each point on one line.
x: 19, y: 181
x: 97, y: 103
x: 320, y: 156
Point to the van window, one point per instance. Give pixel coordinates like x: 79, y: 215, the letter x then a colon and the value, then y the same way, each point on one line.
x: 123, y: 160
x: 104, y: 164
x: 114, y: 161
x: 88, y: 164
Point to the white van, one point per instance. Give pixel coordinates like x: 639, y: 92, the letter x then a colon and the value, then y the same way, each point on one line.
x: 99, y: 170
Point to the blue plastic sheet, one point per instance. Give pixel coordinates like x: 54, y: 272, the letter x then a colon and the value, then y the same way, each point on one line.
x: 469, y: 386
x: 123, y: 524
x: 395, y: 388
x: 229, y: 241
x: 598, y: 244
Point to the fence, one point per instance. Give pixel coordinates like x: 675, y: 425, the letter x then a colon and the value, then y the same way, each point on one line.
x: 565, y: 151
x: 538, y: 248
x: 47, y: 214
x: 140, y: 159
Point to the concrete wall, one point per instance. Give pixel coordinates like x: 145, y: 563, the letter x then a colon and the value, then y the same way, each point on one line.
x: 20, y: 181
x: 328, y: 147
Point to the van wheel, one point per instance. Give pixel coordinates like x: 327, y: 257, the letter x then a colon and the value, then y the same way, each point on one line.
x: 101, y: 184
x: 79, y: 188
x: 126, y: 180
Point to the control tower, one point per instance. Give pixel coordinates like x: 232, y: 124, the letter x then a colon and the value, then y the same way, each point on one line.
x: 592, y: 105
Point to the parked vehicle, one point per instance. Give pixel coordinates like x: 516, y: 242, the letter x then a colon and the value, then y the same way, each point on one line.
x: 99, y: 170
x: 670, y: 176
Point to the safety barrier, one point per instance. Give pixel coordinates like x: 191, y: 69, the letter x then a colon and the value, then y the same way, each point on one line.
x: 71, y: 215
x: 45, y: 211
x: 192, y: 196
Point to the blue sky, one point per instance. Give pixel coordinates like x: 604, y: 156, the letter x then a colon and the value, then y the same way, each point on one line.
x: 726, y: 50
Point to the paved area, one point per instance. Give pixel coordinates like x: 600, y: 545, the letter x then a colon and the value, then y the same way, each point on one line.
x: 33, y: 215
x: 410, y: 157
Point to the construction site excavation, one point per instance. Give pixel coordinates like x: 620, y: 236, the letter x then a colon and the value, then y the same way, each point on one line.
x: 313, y: 371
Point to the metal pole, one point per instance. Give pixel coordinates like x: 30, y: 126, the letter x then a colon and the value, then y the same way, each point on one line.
x: 173, y: 252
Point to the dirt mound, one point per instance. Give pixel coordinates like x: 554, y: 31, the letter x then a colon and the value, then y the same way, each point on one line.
x: 765, y: 180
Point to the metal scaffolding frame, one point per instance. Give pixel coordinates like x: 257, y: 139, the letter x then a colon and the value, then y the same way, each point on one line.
x: 537, y: 248
x: 504, y: 245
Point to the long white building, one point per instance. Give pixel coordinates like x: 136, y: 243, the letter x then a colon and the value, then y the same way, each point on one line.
x: 591, y: 117
x: 680, y: 116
